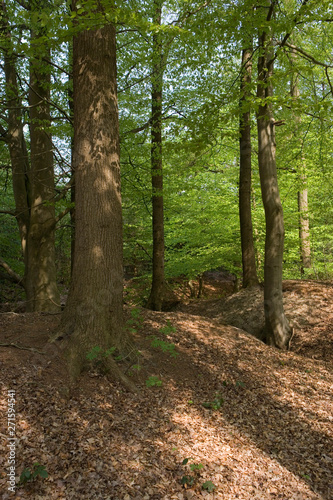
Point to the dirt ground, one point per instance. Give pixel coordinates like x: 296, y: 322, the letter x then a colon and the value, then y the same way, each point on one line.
x: 253, y: 422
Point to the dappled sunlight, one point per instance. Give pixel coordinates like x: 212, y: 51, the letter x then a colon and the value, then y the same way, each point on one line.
x: 268, y: 436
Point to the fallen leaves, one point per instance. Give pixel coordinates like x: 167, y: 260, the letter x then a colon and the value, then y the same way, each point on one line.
x: 270, y: 438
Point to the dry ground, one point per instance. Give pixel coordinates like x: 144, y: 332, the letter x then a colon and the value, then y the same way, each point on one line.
x: 271, y: 437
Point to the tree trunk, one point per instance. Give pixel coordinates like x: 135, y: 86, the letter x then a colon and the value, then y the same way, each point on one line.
x: 40, y: 274
x: 17, y: 148
x: 277, y: 329
x: 33, y: 185
x: 304, y: 226
x: 250, y: 277
x: 93, y: 315
x: 72, y: 192
x: 155, y: 300
x: 302, y: 195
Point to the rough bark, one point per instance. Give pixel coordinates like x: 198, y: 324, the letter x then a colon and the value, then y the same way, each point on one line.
x: 72, y: 193
x: 277, y: 329
x: 32, y: 184
x: 250, y: 277
x: 15, y: 138
x: 155, y: 301
x: 93, y: 315
x: 40, y: 274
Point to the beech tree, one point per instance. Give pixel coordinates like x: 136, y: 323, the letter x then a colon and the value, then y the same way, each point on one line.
x: 157, y: 292
x: 93, y: 315
x: 302, y: 193
x: 33, y: 180
x: 250, y: 277
x: 277, y: 329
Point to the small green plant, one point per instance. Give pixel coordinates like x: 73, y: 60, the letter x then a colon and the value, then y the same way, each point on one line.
x: 189, y: 480
x: 97, y: 352
x: 215, y: 404
x: 97, y: 357
x: 166, y: 330
x: 167, y: 347
x: 135, y: 322
x: 30, y: 474
x: 153, y: 382
x: 209, y: 486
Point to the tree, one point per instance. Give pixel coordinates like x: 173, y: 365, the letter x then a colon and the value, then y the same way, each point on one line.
x: 250, y: 277
x: 302, y: 194
x: 277, y: 329
x: 93, y: 314
x: 40, y: 274
x: 155, y: 300
x: 33, y: 182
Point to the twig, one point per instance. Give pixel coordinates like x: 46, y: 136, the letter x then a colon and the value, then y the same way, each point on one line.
x: 11, y: 344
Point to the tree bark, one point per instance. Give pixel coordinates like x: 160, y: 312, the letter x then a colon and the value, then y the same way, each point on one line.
x: 155, y: 300
x: 250, y: 277
x: 277, y: 329
x: 40, y: 274
x: 304, y: 225
x: 32, y: 184
x: 302, y: 194
x: 93, y: 315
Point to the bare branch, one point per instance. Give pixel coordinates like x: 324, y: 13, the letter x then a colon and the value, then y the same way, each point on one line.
x: 7, y: 212
x: 11, y: 275
x: 62, y: 215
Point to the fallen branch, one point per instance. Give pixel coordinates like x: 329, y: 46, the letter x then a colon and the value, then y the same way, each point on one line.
x: 11, y: 344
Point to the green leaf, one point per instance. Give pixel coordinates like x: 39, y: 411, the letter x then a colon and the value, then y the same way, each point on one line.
x: 188, y: 480
x: 209, y: 486
x: 43, y: 473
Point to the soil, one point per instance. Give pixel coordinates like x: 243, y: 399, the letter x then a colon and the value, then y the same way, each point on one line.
x: 242, y: 419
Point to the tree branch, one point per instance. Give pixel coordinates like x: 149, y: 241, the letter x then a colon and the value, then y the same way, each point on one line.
x: 287, y: 35
x: 62, y: 215
x: 11, y: 275
x: 307, y: 56
x: 7, y: 212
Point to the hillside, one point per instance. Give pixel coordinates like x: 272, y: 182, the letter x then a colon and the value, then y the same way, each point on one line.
x: 259, y: 421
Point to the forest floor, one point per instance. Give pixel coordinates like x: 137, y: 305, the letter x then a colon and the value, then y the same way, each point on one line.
x: 253, y: 422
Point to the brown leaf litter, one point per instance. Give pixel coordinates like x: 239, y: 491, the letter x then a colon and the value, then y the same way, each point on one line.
x: 270, y: 436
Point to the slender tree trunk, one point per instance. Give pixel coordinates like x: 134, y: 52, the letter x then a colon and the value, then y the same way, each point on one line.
x: 304, y: 226
x: 155, y: 300
x: 302, y: 195
x: 72, y: 193
x: 250, y: 277
x: 277, y: 329
x: 93, y: 315
x: 17, y: 146
x: 33, y: 185
x: 40, y: 276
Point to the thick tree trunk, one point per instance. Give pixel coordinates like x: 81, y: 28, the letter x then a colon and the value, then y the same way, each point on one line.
x: 93, y: 315
x: 277, y: 329
x: 155, y: 300
x: 250, y: 277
